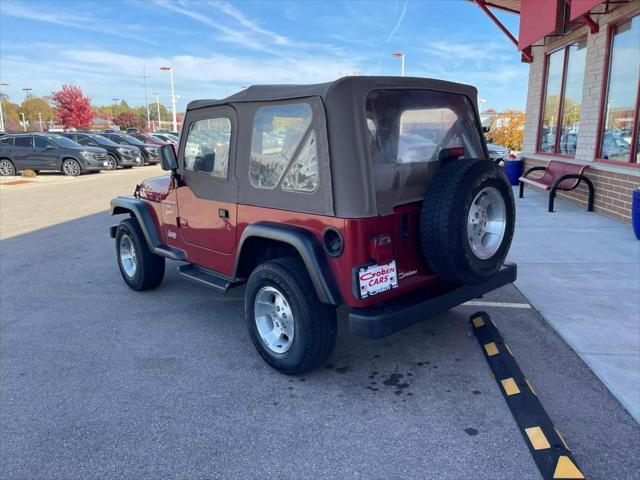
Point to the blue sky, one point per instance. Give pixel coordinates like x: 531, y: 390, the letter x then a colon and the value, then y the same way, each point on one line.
x: 216, y: 47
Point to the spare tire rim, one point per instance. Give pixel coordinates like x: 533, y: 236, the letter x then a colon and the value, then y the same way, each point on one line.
x: 128, y: 258
x: 274, y: 319
x: 486, y: 223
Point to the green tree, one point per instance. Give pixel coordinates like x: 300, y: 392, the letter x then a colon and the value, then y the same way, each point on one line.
x: 33, y: 106
x: 10, y: 114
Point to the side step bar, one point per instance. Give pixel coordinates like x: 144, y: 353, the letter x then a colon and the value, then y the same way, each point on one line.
x: 205, y: 277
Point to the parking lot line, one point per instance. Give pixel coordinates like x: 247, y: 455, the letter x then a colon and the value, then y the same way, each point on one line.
x: 479, y: 303
x: 548, y: 448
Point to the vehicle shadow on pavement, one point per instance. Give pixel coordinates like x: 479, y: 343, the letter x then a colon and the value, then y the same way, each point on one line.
x: 98, y: 380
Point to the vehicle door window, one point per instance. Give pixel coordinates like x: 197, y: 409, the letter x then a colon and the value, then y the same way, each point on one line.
x: 278, y: 132
x: 6, y: 142
x: 23, y: 142
x: 41, y: 142
x: 207, y: 146
x: 86, y: 141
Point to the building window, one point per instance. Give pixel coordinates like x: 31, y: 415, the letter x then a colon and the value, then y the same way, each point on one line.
x: 563, y: 99
x: 620, y: 107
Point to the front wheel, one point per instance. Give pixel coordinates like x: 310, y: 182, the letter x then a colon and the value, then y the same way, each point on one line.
x: 71, y: 167
x: 6, y: 168
x: 141, y: 269
x: 291, y: 329
x: 112, y: 162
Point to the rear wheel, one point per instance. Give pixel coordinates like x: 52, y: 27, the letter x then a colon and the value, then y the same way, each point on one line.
x: 467, y: 221
x: 7, y: 168
x: 141, y: 269
x: 292, y: 330
x: 71, y: 167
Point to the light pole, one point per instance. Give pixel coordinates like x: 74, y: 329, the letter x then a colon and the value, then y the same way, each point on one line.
x: 40, y: 121
x: 113, y: 108
x: 173, y: 98
x: 146, y: 97
x: 1, y: 114
x: 158, y: 109
x: 401, y: 55
x: 24, y: 122
x: 28, y: 95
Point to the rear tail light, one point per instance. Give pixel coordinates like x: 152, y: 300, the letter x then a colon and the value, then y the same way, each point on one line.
x: 381, y: 249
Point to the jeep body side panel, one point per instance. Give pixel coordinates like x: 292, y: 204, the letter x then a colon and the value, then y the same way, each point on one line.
x: 309, y: 249
x: 147, y: 216
x: 356, y: 234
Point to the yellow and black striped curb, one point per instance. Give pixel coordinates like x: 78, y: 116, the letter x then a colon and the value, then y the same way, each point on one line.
x: 550, y: 452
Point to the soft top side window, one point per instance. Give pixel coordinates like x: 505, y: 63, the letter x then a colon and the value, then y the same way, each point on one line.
x: 283, y: 148
x: 207, y: 146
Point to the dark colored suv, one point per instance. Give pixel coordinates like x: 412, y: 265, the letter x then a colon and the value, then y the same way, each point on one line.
x: 48, y: 151
x: 150, y: 153
x: 118, y: 155
x: 373, y: 193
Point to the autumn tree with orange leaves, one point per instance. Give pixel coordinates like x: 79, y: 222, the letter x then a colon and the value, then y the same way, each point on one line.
x: 510, y: 132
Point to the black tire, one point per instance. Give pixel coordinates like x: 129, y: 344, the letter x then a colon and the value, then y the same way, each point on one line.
x: 445, y: 245
x: 113, y: 162
x: 71, y: 167
x: 314, y: 322
x: 7, y: 168
x: 149, y: 269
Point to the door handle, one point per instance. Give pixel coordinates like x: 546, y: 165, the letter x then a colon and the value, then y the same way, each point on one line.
x: 223, y: 213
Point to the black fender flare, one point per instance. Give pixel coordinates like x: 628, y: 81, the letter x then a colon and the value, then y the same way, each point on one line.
x: 138, y: 208
x: 309, y: 249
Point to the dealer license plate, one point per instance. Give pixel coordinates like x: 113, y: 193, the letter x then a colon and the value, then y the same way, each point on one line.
x: 376, y: 279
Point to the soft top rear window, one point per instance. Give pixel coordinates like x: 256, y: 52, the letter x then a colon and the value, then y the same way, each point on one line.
x: 407, y: 131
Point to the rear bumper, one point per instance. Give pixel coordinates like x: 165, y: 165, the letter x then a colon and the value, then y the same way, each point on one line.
x: 389, y: 317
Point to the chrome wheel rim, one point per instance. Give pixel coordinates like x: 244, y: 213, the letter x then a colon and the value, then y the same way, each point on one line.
x: 128, y: 259
x: 486, y: 223
x: 111, y: 163
x: 274, y: 319
x: 71, y: 168
x: 6, y: 168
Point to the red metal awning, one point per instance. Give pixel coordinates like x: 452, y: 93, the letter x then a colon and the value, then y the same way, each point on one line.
x: 580, y: 7
x: 538, y: 18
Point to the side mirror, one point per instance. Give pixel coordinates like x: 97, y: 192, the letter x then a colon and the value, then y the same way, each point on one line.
x: 168, y: 157
x: 486, y: 129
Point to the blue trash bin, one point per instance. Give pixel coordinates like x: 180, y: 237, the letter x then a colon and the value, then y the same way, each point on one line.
x: 513, y: 169
x: 635, y: 212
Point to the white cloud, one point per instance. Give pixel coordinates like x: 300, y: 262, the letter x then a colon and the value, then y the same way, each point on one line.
x: 77, y: 20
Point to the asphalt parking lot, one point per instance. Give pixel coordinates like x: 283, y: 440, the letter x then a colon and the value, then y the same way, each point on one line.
x: 98, y: 381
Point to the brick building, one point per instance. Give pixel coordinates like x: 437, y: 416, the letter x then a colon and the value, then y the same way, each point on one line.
x: 584, y: 89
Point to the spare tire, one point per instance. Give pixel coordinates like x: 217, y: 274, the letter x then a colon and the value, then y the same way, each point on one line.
x: 467, y: 221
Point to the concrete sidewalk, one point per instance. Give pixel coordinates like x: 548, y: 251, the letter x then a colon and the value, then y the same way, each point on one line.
x: 582, y: 272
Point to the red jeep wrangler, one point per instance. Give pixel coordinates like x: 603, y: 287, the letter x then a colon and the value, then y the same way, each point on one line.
x: 370, y: 192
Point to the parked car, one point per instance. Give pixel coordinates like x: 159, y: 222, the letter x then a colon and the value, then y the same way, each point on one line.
x: 48, y: 151
x: 497, y: 151
x: 327, y: 216
x: 150, y: 153
x: 118, y: 155
x: 147, y: 138
x: 165, y: 137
